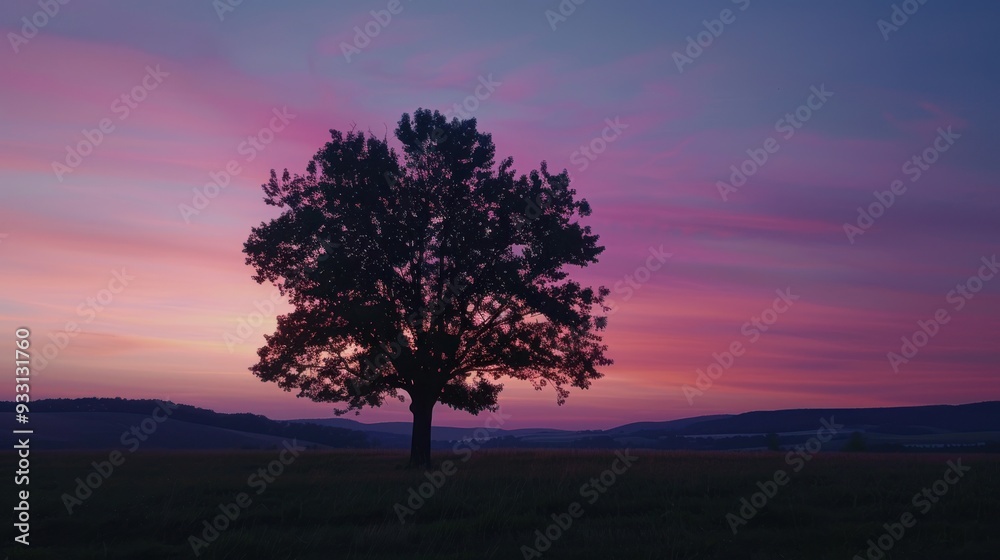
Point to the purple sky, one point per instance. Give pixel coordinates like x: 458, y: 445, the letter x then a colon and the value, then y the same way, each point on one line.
x: 650, y: 125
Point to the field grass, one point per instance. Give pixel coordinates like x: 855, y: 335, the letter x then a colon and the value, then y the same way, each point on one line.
x: 333, y: 505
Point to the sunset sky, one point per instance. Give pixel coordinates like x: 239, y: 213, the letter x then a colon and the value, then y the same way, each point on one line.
x: 865, y: 99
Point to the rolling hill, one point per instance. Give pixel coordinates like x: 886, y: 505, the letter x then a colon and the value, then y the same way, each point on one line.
x: 95, y: 423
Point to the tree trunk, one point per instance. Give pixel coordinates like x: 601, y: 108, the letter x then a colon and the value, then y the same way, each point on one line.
x: 420, y: 444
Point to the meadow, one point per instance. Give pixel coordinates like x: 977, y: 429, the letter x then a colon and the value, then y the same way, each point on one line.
x: 489, y: 504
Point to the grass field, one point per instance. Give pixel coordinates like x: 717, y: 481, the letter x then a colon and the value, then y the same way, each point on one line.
x: 332, y: 505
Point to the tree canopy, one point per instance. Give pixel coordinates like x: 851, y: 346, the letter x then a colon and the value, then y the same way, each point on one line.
x: 434, y: 272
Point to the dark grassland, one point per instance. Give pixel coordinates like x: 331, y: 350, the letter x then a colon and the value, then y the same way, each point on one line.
x: 668, y: 505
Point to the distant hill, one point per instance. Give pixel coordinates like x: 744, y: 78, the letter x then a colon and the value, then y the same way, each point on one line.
x: 98, y: 423
x: 978, y: 417
x: 973, y: 426
x: 670, y: 425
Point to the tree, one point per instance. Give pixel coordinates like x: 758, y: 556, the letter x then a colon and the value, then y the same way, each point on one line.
x: 433, y: 274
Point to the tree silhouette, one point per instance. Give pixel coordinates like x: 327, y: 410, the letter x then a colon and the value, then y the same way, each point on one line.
x: 433, y: 274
